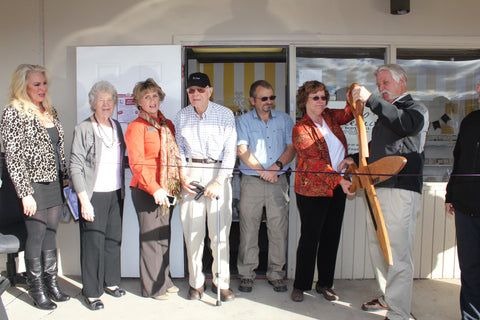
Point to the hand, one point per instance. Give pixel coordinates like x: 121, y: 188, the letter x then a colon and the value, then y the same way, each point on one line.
x: 87, y: 210
x: 345, y: 184
x: 212, y: 190
x: 450, y: 209
x: 270, y: 174
x: 29, y: 205
x: 189, y: 188
x: 360, y: 93
x: 349, y: 97
x: 160, y: 197
x: 345, y: 164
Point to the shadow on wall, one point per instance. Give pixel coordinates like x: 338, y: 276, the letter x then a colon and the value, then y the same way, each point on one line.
x: 253, y: 17
x: 435, y: 252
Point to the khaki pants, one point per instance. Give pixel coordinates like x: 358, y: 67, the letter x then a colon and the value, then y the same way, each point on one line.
x: 399, y: 208
x: 194, y: 213
x: 255, y: 194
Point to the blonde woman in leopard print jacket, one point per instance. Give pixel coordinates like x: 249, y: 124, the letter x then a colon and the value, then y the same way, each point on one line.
x: 34, y: 148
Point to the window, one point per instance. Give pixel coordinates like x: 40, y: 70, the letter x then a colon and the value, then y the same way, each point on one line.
x: 338, y: 68
x: 445, y: 81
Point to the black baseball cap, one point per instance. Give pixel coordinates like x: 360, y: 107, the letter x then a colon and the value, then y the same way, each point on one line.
x: 198, y: 79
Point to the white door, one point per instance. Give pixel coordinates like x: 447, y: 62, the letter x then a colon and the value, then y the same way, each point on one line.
x: 124, y: 66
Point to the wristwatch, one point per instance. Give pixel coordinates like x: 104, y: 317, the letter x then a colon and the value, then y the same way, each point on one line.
x: 279, y: 164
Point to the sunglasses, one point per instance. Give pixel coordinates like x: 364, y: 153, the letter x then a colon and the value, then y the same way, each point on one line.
x: 316, y: 98
x: 266, y: 98
x: 192, y: 90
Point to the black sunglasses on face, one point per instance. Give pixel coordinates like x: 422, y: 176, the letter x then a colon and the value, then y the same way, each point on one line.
x: 192, y: 90
x: 316, y: 98
x: 266, y: 98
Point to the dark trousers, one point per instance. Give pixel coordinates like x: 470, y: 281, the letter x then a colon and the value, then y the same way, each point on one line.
x: 468, y: 247
x: 154, y: 244
x: 321, y: 223
x: 101, y: 242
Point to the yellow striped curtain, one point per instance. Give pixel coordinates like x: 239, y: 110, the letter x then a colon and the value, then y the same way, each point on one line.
x: 231, y: 82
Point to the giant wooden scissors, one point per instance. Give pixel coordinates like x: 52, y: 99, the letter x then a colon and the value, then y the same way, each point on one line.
x: 365, y: 176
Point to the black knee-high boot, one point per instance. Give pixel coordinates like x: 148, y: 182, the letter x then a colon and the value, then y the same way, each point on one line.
x: 50, y: 270
x: 36, y: 287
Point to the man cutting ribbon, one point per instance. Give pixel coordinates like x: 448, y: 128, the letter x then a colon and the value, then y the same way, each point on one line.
x: 400, y: 130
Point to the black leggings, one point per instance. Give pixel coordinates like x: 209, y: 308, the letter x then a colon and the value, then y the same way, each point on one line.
x: 41, y: 230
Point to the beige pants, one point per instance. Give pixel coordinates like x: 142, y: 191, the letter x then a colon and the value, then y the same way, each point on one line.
x: 194, y: 213
x: 255, y: 194
x: 399, y: 208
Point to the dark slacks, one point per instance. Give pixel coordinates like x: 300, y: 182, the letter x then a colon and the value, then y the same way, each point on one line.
x: 321, y: 224
x: 468, y: 246
x: 154, y: 244
x: 101, y: 242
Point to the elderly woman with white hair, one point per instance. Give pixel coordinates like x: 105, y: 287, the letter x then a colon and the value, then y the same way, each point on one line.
x: 97, y: 171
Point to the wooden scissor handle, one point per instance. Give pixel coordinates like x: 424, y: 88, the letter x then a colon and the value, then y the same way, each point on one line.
x: 357, y: 106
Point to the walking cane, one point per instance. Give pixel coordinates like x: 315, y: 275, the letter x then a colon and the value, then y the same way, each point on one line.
x: 219, y: 301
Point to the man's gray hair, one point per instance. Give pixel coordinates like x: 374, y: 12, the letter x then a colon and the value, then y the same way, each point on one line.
x: 395, y: 70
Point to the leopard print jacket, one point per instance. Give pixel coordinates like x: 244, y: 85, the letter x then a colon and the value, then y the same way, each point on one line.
x: 30, y: 155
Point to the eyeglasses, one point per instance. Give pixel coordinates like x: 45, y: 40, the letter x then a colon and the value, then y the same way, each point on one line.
x: 316, y: 98
x: 192, y: 90
x: 266, y: 98
x: 107, y: 101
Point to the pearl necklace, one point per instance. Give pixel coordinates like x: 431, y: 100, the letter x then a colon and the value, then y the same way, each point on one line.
x: 103, y: 134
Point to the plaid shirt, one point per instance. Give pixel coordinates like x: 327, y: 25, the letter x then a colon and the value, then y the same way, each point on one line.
x: 211, y: 137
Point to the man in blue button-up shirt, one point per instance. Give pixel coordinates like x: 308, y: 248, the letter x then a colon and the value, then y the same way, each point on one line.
x: 265, y: 149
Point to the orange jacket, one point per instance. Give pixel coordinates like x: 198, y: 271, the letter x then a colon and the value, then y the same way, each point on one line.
x: 313, y: 155
x: 143, y: 145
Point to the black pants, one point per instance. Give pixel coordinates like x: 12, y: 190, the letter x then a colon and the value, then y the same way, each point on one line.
x: 321, y: 223
x: 154, y: 244
x: 101, y: 242
x: 468, y: 246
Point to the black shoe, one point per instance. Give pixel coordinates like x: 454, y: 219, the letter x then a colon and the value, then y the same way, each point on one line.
x: 94, y: 305
x: 246, y: 285
x: 50, y: 271
x: 117, y: 292
x: 36, y: 287
x: 278, y: 285
x: 327, y: 293
x: 297, y: 295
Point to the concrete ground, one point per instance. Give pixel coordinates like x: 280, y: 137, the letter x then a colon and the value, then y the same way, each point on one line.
x: 432, y: 299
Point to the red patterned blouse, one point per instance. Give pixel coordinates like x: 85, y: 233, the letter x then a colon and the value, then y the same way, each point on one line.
x: 312, y: 178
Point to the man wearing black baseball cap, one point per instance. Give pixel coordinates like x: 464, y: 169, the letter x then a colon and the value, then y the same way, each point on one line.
x: 198, y: 79
x: 206, y: 137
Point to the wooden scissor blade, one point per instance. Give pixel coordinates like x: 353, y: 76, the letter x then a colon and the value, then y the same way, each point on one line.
x: 378, y: 222
x: 384, y: 168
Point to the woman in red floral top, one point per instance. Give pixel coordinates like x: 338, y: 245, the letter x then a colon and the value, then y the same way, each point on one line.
x: 320, y: 191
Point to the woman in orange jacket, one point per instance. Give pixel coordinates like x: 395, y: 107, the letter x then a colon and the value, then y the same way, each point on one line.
x: 155, y: 163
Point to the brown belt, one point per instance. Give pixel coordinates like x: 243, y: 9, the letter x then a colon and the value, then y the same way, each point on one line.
x: 207, y: 161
